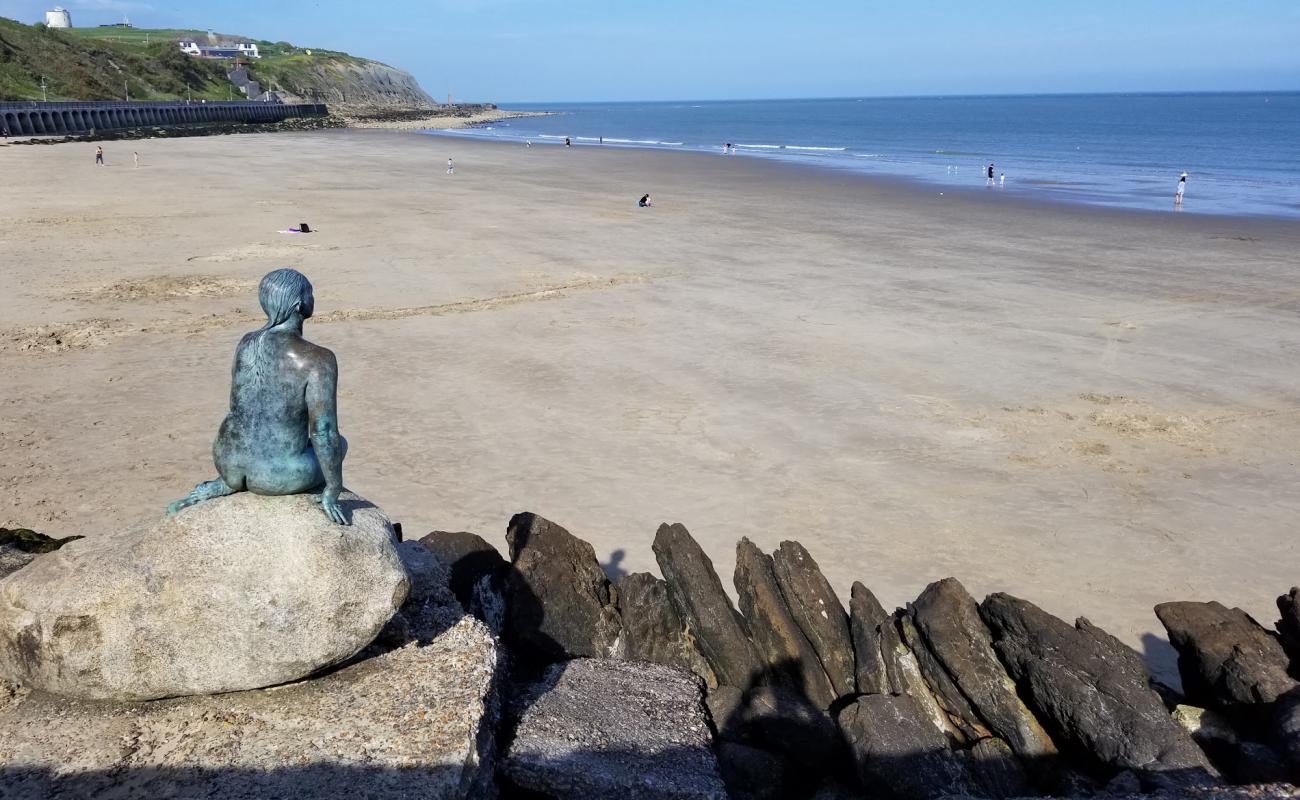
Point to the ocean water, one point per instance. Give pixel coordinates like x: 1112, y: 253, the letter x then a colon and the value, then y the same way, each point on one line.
x: 1241, y: 151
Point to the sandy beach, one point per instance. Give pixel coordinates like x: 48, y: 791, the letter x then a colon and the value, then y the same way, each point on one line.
x: 1094, y: 410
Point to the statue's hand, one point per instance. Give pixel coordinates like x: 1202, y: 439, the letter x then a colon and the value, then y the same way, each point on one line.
x: 329, y: 503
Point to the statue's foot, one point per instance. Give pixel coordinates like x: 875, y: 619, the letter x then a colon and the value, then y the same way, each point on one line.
x: 204, y: 491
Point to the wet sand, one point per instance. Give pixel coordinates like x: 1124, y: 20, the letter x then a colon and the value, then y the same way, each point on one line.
x: 1095, y: 410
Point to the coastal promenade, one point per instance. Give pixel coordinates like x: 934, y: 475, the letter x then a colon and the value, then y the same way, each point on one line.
x: 37, y: 119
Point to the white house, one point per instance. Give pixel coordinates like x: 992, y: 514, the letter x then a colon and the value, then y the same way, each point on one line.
x: 58, y: 18
x: 220, y: 50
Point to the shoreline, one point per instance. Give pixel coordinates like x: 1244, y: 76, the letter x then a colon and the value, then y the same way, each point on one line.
x: 440, y: 121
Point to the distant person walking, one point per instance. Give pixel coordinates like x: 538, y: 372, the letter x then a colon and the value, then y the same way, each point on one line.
x: 1002, y: 179
x: 990, y: 173
x: 528, y: 143
x: 136, y: 156
x: 99, y: 156
x: 568, y: 142
x: 1178, y: 193
x: 644, y: 202
x: 451, y: 167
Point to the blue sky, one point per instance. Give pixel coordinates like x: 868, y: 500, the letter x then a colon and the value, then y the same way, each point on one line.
x: 522, y: 51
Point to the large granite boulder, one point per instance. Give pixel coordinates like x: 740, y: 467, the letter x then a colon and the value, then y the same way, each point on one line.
x: 654, y: 630
x: 1225, y: 658
x: 949, y: 621
x: 236, y: 593
x: 1093, y: 692
x: 818, y: 610
x: 602, y: 728
x: 866, y: 615
x: 789, y: 657
x: 561, y: 603
x: 896, y: 747
x: 696, y: 592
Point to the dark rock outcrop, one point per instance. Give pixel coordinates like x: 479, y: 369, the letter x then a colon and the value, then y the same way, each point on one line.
x: 782, y: 720
x: 788, y: 656
x: 561, y: 605
x: 1225, y: 658
x: 995, y: 770
x: 1289, y: 626
x: 905, y: 678
x: 866, y: 615
x: 696, y: 592
x: 951, y: 700
x: 20, y: 547
x: 653, y: 629
x: 751, y: 773
x: 1286, y: 729
x: 818, y: 612
x: 470, y: 559
x: 603, y: 728
x: 894, y: 745
x: 1093, y: 692
x: 948, y: 618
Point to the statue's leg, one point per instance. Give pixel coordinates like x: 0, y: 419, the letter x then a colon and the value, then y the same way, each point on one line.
x: 204, y: 491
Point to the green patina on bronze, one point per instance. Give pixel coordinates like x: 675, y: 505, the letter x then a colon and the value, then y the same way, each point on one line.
x: 281, y: 435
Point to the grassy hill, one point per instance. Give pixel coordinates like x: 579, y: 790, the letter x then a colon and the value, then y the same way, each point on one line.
x: 99, y: 63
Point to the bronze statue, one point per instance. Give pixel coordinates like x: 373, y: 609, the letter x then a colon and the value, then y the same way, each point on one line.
x: 281, y: 435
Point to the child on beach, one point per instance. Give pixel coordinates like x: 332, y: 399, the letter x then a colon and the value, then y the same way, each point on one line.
x: 1002, y: 179
x: 1182, y: 187
x: 644, y: 202
x: 451, y: 167
x: 99, y: 156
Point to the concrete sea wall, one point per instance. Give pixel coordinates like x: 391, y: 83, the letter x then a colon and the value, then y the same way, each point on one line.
x: 36, y: 119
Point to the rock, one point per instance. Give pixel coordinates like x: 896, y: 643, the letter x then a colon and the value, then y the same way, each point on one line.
x: 818, y: 612
x: 1286, y: 727
x: 948, y: 619
x: 866, y: 615
x: 905, y: 678
x: 789, y: 657
x: 235, y: 593
x: 1126, y: 782
x: 653, y: 630
x: 696, y: 592
x: 894, y: 745
x: 602, y: 728
x: 1093, y: 692
x: 995, y: 770
x: 417, y: 721
x: 783, y: 721
x: 1206, y: 727
x: 470, y: 558
x: 29, y: 541
x: 430, y: 607
x: 12, y: 559
x: 1225, y: 658
x: 954, y: 704
x: 750, y: 773
x: 1240, y: 761
x: 724, y: 704
x: 1289, y: 626
x: 560, y: 601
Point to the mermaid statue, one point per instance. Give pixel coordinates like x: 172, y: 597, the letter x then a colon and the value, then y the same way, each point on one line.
x: 282, y: 433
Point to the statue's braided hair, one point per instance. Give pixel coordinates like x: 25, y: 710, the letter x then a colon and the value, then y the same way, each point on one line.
x: 281, y: 293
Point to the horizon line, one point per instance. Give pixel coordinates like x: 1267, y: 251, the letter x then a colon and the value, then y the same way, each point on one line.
x: 934, y: 96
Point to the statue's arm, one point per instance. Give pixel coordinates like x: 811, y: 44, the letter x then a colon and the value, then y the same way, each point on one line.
x: 323, y: 422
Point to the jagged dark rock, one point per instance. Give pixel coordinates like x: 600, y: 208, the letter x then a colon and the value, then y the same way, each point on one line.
x: 995, y: 770
x: 894, y: 745
x: 596, y: 728
x: 1226, y: 659
x: 561, y: 604
x: 950, y: 698
x: 724, y: 704
x: 751, y: 773
x: 1092, y: 691
x: 905, y: 678
x: 866, y: 615
x: 818, y: 612
x: 1289, y: 626
x: 784, y: 721
x: 948, y: 619
x: 696, y: 592
x: 789, y: 657
x: 1286, y: 729
x: 470, y: 558
x: 20, y: 547
x: 653, y: 629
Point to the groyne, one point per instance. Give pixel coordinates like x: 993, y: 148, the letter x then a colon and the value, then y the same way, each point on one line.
x: 50, y: 119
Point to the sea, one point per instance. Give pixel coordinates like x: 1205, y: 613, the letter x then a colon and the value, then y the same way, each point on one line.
x: 1241, y: 151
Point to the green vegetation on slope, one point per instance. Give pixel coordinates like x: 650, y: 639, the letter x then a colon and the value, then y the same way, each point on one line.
x: 81, y: 68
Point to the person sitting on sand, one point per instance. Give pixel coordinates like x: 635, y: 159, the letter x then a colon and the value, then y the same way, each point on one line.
x: 644, y: 202
x: 281, y: 436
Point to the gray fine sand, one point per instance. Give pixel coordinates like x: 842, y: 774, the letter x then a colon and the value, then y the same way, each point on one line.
x: 1096, y: 411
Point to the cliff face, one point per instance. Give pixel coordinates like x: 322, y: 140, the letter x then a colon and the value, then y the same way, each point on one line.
x: 345, y: 83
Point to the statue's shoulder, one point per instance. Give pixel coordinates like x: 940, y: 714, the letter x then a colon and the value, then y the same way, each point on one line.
x: 320, y: 357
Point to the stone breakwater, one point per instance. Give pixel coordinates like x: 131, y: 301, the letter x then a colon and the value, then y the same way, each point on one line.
x: 51, y: 119
x: 534, y: 674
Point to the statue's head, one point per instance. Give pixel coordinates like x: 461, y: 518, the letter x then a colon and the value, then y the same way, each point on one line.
x: 282, y: 293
